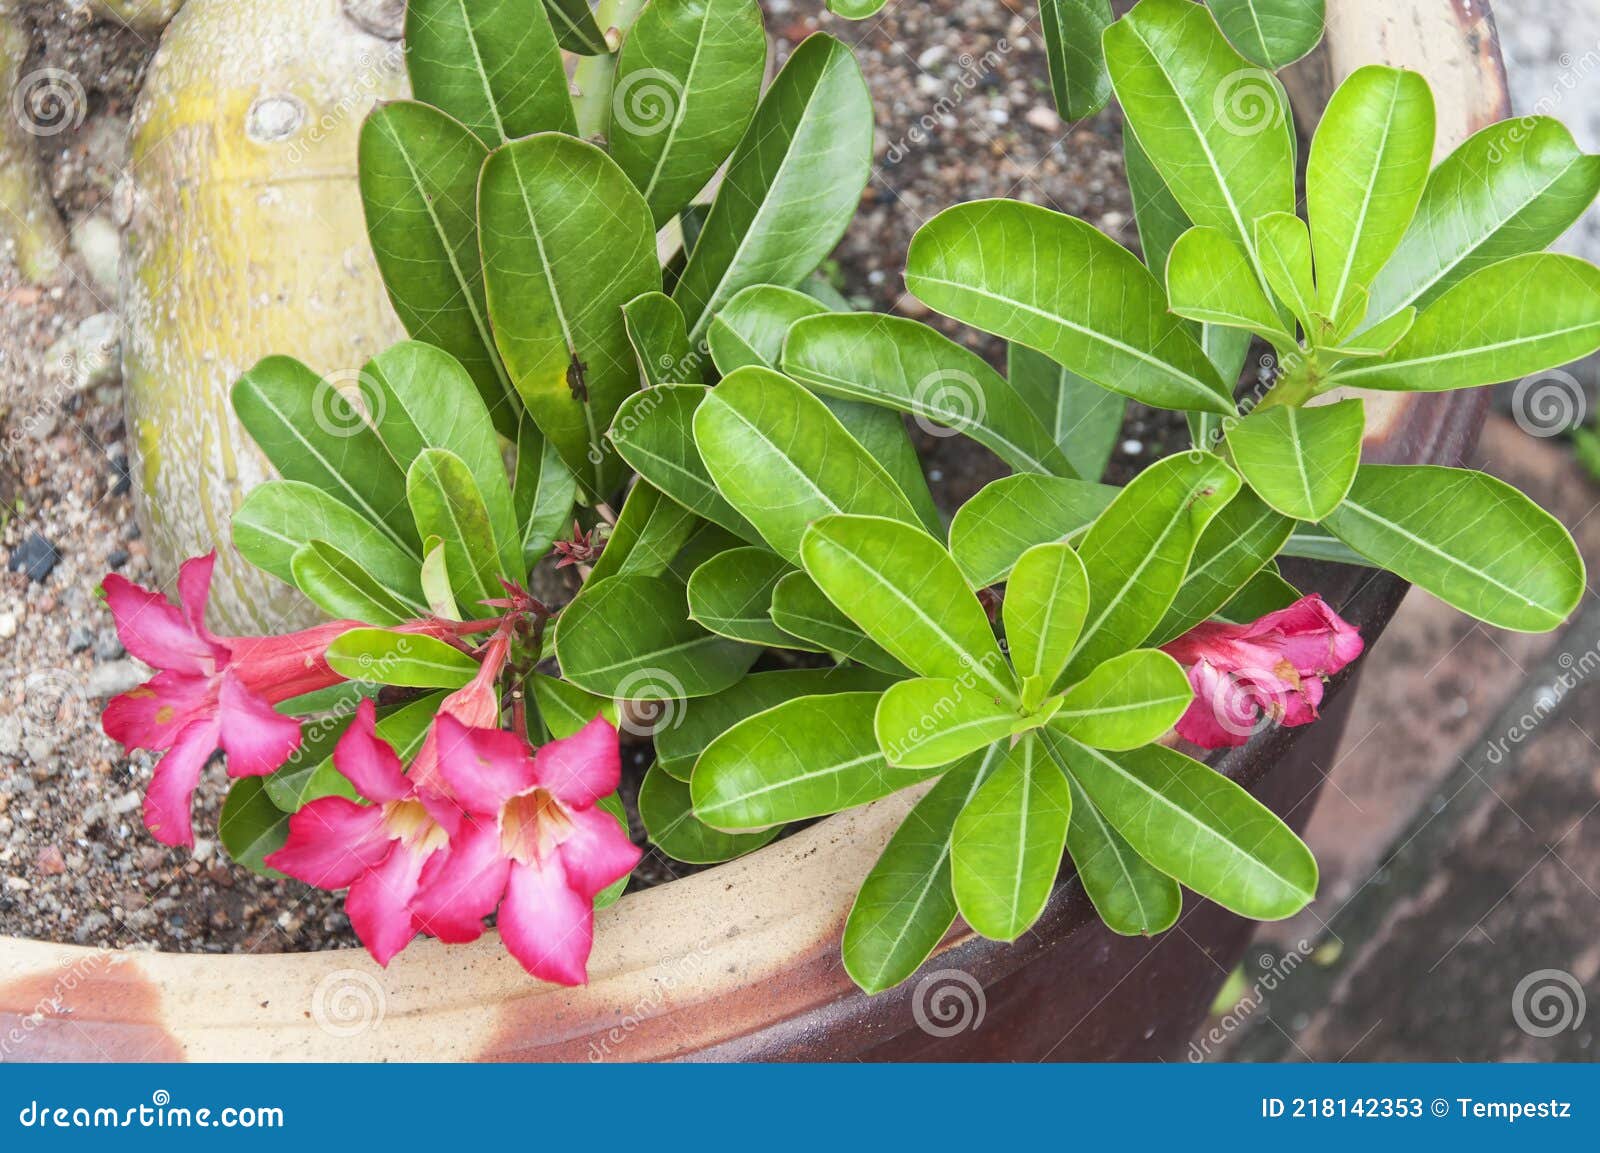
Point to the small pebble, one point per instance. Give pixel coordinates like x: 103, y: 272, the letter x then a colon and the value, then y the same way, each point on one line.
x: 35, y: 557
x: 50, y: 862
x: 108, y: 646
x: 78, y: 639
x: 114, y: 677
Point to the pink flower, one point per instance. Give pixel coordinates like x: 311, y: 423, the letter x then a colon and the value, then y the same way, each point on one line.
x: 211, y: 691
x: 1270, y: 670
x: 534, y: 843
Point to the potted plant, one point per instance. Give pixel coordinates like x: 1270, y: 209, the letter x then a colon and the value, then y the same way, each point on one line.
x: 776, y: 602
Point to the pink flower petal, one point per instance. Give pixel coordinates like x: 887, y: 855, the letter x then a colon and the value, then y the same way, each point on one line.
x: 582, y: 768
x: 256, y: 738
x: 546, y: 926
x: 153, y: 629
x: 379, y: 903
x: 332, y: 841
x: 167, y: 800
x: 369, y: 762
x: 463, y: 885
x: 483, y: 767
x: 596, y: 852
x: 1220, y: 716
x: 152, y: 715
x: 278, y: 668
x: 194, y: 592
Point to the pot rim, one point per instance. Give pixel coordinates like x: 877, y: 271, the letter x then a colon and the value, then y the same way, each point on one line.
x: 741, y: 961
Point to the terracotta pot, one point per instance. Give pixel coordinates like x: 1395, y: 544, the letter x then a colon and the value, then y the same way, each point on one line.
x: 742, y: 962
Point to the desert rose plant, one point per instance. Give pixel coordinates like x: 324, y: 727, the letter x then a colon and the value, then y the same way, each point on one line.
x: 776, y: 591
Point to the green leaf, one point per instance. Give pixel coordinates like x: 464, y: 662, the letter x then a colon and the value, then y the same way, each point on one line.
x: 930, y: 722
x: 751, y: 327
x: 1007, y: 844
x: 1047, y: 600
x: 1517, y: 318
x: 1126, y: 702
x: 648, y: 534
x: 655, y: 329
x: 1380, y: 338
x: 906, y: 904
x: 688, y: 79
x: 882, y: 432
x: 681, y: 737
x: 436, y: 582
x: 654, y: 432
x: 667, y: 810
x: 493, y: 65
x: 337, y: 584
x: 902, y: 588
x: 1210, y: 279
x: 1196, y: 825
x: 1072, y: 31
x: 1137, y: 552
x: 1083, y: 418
x: 1055, y: 284
x: 1131, y: 895
x: 855, y: 9
x: 630, y: 637
x: 731, y: 593
x: 612, y: 893
x: 576, y: 28
x: 791, y: 186
x: 782, y: 459
x: 446, y: 502
x: 543, y: 492
x: 1160, y: 218
x: 804, y: 758
x: 1009, y: 516
x: 279, y: 517
x: 1301, y: 461
x: 420, y: 398
x: 801, y: 609
x: 1273, y: 33
x: 311, y: 432
x: 1369, y: 164
x: 251, y: 827
x: 1511, y: 189
x: 412, y: 660
x: 564, y: 709
x: 1469, y: 539
x: 1266, y: 592
x: 1283, y: 248
x: 1233, y: 550
x: 567, y: 241
x: 909, y: 367
x: 419, y: 187
x: 1216, y: 127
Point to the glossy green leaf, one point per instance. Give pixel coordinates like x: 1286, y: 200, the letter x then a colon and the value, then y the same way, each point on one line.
x: 1137, y: 552
x: 1007, y: 844
x: 1233, y: 550
x: 311, y: 432
x: 447, y: 503
x: 251, y: 827
x: 419, y: 186
x: 882, y: 432
x: 1159, y: 218
x: 1301, y: 461
x: 782, y: 459
x: 564, y: 709
x: 654, y: 432
x: 1266, y: 592
x: 731, y: 594
x: 337, y: 584
x: 567, y: 241
x: 1283, y: 248
x: 909, y: 367
x: 1055, y: 284
x: 542, y: 494
x: 1210, y: 279
x: 1009, y: 516
x: 411, y: 660
x: 902, y: 588
x: 687, y: 83
x: 1072, y: 30
x: 855, y: 9
x: 1215, y: 126
x: 1468, y: 538
x: 929, y: 722
x: 576, y: 28
x: 1380, y: 338
x: 436, y: 582
x: 667, y: 810
x: 805, y: 758
x: 630, y: 637
x: 1520, y: 317
x: 1511, y: 189
x: 660, y: 342
x: 1194, y: 824
x: 751, y: 327
x: 791, y: 186
x: 1369, y: 164
x: 906, y: 904
x: 1126, y: 702
x: 649, y: 532
x: 1084, y: 419
x: 1047, y: 601
x: 801, y: 609
x: 493, y: 65
x: 1273, y: 33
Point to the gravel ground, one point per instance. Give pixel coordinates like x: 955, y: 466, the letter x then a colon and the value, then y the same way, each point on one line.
x: 963, y: 112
